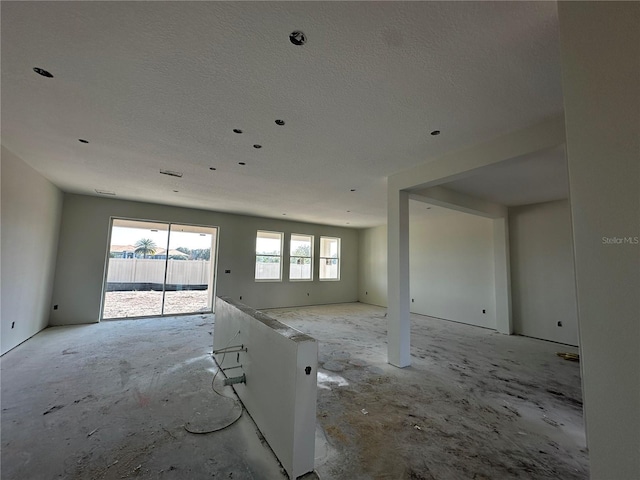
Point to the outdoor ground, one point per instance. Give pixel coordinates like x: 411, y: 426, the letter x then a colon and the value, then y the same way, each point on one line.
x: 145, y: 303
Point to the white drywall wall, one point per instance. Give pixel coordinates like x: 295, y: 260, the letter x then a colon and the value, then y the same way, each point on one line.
x: 600, y: 52
x: 451, y: 264
x: 452, y: 267
x: 31, y: 207
x: 542, y: 272
x: 83, y: 246
x: 449, y: 167
x: 279, y: 393
x: 372, y: 266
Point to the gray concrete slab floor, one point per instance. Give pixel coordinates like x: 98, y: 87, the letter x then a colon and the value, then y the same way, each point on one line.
x: 474, y: 404
x: 110, y: 401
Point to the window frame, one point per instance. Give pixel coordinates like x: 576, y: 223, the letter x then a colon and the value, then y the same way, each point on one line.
x: 338, y: 259
x: 280, y: 257
x: 310, y: 257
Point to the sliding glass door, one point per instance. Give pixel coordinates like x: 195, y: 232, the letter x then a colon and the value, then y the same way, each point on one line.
x: 187, y: 286
x: 156, y: 268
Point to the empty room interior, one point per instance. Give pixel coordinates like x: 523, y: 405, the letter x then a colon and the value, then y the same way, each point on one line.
x: 335, y: 240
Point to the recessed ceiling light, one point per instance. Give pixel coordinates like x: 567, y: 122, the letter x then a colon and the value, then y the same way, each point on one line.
x: 241, y: 163
x: 435, y: 132
x: 105, y: 192
x: 297, y: 38
x: 171, y: 173
x: 82, y: 140
x: 237, y: 130
x: 42, y: 71
x: 279, y: 122
x: 212, y: 168
x: 257, y: 146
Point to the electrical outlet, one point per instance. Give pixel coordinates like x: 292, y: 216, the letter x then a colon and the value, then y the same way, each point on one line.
x: 240, y: 297
x: 227, y: 271
x: 559, y: 323
x: 55, y: 307
x: 484, y: 311
x: 413, y: 300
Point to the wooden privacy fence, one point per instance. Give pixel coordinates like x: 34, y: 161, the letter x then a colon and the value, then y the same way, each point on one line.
x: 147, y: 270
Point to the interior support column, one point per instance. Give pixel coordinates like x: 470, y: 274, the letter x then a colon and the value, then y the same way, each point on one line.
x: 600, y: 55
x: 501, y: 275
x: 398, y: 321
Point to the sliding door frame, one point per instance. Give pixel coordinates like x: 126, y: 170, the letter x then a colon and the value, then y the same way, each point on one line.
x: 213, y: 273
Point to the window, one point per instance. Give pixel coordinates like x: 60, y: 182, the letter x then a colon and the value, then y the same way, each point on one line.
x: 301, y: 257
x: 329, y: 258
x: 269, y: 256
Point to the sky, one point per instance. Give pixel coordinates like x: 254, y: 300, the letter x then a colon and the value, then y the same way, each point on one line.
x: 129, y: 236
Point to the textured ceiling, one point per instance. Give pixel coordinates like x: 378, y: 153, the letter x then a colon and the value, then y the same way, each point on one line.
x: 161, y: 85
x: 535, y: 178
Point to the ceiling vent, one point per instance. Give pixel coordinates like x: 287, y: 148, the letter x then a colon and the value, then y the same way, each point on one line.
x: 43, y: 72
x: 171, y: 174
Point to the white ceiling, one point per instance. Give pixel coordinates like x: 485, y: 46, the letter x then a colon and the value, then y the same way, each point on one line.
x: 161, y: 85
x: 535, y: 178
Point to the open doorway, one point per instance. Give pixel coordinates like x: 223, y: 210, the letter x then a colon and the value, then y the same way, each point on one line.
x: 158, y: 268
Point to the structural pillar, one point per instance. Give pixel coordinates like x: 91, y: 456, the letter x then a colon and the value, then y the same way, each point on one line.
x: 501, y: 272
x: 600, y: 54
x: 398, y: 320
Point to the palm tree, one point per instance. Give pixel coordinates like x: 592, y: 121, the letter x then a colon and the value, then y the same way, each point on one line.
x: 145, y: 246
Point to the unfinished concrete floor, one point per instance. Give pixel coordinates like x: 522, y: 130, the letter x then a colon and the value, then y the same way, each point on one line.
x: 109, y: 401
x: 475, y: 404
